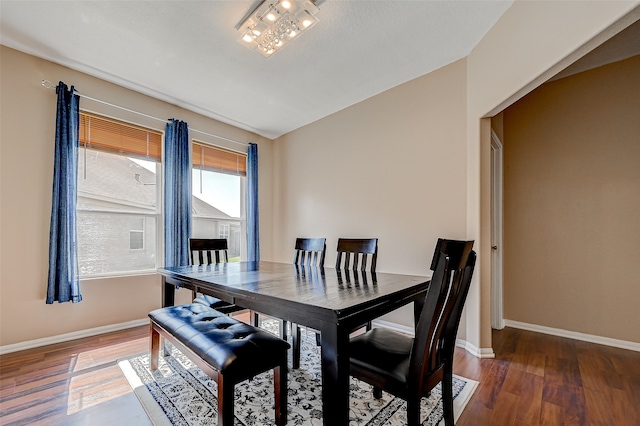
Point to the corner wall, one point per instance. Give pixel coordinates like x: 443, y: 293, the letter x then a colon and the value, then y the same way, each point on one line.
x: 391, y: 167
x: 572, y: 204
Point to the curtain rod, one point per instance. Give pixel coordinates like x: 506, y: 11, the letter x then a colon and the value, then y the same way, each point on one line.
x: 50, y: 85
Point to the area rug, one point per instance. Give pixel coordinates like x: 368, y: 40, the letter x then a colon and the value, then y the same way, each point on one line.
x: 179, y: 393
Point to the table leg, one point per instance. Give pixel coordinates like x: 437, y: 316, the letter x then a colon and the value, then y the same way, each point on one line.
x: 168, y: 293
x: 335, y: 375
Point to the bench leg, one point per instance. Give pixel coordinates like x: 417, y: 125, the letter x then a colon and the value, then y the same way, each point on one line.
x: 280, y: 392
x: 154, y: 347
x: 225, y: 402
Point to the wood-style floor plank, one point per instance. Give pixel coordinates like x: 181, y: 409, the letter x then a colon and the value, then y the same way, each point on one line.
x: 535, y: 379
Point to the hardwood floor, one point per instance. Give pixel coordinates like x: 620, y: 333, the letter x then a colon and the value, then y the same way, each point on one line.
x: 535, y: 379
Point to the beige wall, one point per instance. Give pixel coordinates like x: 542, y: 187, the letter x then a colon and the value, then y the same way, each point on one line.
x: 26, y: 155
x: 572, y: 204
x: 391, y: 167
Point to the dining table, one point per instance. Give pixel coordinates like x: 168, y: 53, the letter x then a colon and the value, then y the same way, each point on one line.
x: 334, y: 302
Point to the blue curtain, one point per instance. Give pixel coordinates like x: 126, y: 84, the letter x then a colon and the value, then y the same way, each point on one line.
x: 253, y: 228
x: 177, y: 194
x: 63, y: 284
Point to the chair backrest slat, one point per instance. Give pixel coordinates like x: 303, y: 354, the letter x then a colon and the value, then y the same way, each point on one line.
x: 360, y: 250
x: 208, y: 251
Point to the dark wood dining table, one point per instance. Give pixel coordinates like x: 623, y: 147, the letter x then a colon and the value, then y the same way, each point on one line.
x: 334, y: 302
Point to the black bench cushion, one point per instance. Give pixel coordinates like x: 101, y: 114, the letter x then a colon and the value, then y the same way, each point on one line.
x: 229, y: 345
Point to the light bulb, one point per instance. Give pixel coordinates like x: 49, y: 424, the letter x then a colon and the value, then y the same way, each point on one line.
x: 247, y: 37
x: 286, y: 4
x: 306, y: 23
x: 271, y: 17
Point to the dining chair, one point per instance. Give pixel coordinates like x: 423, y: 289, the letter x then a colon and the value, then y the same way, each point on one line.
x: 309, y: 252
x: 353, y: 252
x: 410, y: 367
x: 210, y: 251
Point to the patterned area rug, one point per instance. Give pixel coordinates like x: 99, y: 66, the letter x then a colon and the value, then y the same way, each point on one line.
x: 179, y: 393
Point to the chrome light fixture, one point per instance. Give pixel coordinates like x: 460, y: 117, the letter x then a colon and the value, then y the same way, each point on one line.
x: 273, y: 23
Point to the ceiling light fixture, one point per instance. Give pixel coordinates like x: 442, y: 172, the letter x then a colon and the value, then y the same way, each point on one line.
x: 273, y: 23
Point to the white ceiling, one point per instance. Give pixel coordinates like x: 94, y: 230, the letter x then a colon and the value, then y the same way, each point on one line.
x: 187, y: 52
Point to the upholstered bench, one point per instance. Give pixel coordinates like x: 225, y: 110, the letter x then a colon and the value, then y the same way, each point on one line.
x: 227, y: 350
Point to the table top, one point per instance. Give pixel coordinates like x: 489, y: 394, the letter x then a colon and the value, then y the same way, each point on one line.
x: 339, y: 291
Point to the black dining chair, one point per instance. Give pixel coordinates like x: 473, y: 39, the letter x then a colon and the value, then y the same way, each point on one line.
x: 309, y: 252
x: 211, y: 251
x: 411, y: 367
x: 354, y: 254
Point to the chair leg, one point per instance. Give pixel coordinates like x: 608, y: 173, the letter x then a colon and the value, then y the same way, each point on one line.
x: 253, y: 318
x: 447, y: 395
x: 413, y: 411
x: 377, y: 392
x: 368, y: 326
x: 280, y: 392
x: 295, y: 347
x: 283, y: 330
x: 225, y: 402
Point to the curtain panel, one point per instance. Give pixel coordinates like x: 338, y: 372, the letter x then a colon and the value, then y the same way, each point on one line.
x: 63, y: 284
x: 253, y: 220
x: 177, y: 194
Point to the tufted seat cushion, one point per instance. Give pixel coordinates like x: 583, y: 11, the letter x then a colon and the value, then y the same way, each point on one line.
x: 229, y: 345
x: 228, y: 351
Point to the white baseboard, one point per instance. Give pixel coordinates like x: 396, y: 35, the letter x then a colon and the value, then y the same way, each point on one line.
x: 71, y: 336
x: 472, y: 349
x: 623, y: 344
x: 394, y: 326
x: 30, y: 344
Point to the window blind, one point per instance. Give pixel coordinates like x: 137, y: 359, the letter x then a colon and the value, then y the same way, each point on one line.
x: 207, y: 157
x: 107, y: 134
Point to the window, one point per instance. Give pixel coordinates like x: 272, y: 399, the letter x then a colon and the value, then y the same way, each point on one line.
x: 224, y: 230
x: 136, y: 234
x: 218, y: 185
x: 118, y: 185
